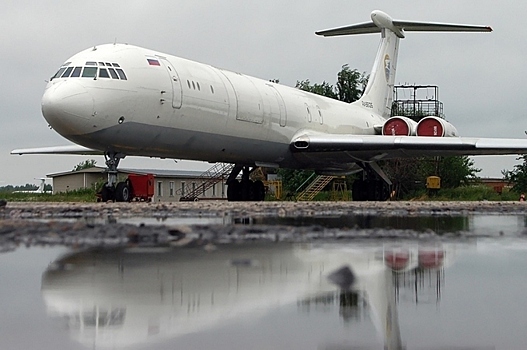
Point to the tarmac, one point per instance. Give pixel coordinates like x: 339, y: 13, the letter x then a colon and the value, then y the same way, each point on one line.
x: 105, y: 224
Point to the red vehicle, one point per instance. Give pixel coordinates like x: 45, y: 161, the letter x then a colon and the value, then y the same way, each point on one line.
x: 136, y: 187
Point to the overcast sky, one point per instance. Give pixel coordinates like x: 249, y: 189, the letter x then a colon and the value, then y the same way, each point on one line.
x: 481, y: 75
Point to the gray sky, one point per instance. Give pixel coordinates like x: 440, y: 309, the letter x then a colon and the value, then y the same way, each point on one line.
x: 481, y: 76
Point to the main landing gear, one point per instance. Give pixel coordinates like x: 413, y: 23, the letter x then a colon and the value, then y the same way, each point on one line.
x: 374, y: 186
x: 246, y: 189
x: 113, y: 190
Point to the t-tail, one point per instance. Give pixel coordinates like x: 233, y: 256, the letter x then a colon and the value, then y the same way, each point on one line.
x: 378, y: 95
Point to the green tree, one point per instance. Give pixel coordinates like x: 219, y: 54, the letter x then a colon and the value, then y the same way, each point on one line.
x: 517, y: 177
x: 350, y: 84
x: 89, y: 163
x: 293, y: 179
x: 324, y: 89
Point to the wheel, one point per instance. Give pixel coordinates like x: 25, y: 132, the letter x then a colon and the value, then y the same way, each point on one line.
x: 107, y: 193
x: 247, y: 190
x: 122, y: 192
x: 359, y: 190
x: 258, y: 191
x: 233, y: 191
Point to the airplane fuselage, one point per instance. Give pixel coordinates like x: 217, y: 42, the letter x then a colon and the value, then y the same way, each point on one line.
x: 165, y: 106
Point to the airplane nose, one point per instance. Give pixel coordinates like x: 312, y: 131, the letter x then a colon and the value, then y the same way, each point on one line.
x: 67, y: 106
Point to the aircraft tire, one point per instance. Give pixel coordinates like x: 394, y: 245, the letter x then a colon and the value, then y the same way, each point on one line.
x: 258, y: 191
x: 246, y: 190
x: 234, y: 191
x: 122, y: 192
x: 359, y: 190
x: 107, y: 193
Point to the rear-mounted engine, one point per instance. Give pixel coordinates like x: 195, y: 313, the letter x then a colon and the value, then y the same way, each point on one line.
x: 434, y: 126
x: 399, y: 126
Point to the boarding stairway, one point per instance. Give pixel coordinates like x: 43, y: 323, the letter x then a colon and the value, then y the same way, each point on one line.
x: 314, y: 187
x: 209, y: 178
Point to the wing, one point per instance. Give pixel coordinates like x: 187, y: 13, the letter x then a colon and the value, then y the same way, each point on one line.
x: 345, y: 149
x: 70, y: 149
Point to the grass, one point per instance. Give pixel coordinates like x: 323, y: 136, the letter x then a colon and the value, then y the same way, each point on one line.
x: 81, y: 195
x: 469, y: 193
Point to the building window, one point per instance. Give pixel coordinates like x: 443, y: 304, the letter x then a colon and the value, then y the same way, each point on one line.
x: 160, y: 188
x: 182, y: 188
x: 171, y: 188
x: 214, y: 190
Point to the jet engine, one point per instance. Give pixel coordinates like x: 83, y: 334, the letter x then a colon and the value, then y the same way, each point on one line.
x: 435, y: 126
x: 399, y: 126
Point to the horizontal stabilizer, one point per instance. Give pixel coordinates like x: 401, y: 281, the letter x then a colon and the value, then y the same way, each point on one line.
x: 70, y: 149
x: 381, y: 20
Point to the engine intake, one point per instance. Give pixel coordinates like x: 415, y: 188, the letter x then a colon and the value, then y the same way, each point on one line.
x: 436, y: 127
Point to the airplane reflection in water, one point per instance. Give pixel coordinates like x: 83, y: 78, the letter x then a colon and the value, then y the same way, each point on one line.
x: 114, y: 298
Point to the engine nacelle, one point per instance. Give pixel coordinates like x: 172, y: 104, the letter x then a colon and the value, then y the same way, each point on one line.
x: 435, y: 126
x: 399, y: 126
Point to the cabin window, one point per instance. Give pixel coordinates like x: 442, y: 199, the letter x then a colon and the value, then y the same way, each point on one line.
x: 91, y: 63
x: 103, y: 73
x: 116, y: 65
x: 89, y: 72
x: 188, y: 83
x: 211, y: 89
x: 199, y: 88
x: 67, y: 72
x: 101, y: 64
x: 113, y: 73
x: 76, y: 72
x: 194, y: 85
x: 122, y: 76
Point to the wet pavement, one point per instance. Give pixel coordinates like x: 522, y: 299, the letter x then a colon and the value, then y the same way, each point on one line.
x: 263, y: 276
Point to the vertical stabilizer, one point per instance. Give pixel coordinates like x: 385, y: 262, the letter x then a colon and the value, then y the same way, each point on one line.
x: 379, y: 91
x: 378, y: 96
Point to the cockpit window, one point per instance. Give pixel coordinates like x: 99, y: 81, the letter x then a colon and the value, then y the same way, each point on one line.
x: 67, y: 72
x: 121, y: 74
x: 76, y: 72
x: 59, y: 73
x: 113, y: 73
x: 89, y: 72
x: 103, y: 73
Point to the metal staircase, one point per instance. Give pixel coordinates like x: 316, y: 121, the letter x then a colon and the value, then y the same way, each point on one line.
x: 209, y: 178
x: 314, y: 188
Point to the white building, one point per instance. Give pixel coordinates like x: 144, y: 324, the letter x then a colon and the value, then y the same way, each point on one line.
x: 170, y: 185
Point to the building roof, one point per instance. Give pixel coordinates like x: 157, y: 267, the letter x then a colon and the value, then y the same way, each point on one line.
x: 155, y: 172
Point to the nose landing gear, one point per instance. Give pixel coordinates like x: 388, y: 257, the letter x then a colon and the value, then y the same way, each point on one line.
x: 113, y: 190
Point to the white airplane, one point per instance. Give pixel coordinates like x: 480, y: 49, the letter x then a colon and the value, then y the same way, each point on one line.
x: 122, y: 100
x: 41, y: 188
